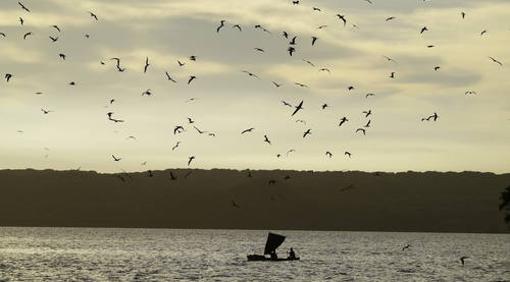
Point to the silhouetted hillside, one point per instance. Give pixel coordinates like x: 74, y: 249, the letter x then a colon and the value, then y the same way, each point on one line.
x: 411, y: 201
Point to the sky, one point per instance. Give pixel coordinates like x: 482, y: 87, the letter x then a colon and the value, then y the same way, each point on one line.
x: 471, y: 133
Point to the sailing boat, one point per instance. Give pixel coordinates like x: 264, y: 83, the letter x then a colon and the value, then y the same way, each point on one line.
x: 273, y: 242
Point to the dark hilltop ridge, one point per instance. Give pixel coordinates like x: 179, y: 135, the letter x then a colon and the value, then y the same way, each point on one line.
x: 258, y: 199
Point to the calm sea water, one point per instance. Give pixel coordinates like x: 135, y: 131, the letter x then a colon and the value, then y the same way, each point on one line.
x: 96, y: 254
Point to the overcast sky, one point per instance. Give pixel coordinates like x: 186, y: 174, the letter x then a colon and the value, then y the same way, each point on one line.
x: 472, y: 132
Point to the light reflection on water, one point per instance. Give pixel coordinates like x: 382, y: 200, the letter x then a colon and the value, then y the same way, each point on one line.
x: 96, y: 254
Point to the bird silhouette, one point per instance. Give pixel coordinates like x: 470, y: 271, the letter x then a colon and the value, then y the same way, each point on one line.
x: 436, y: 68
x: 298, y: 108
x: 308, y: 62
x: 314, y: 38
x: 46, y: 111
x: 180, y: 63
x: 21, y: 20
x: 342, y: 18
x: 2, y: 34
x: 199, y: 131
x: 250, y: 74
x: 259, y: 50
x: 147, y: 92
x: 146, y: 67
x: 324, y: 106
x: 193, y: 58
x: 56, y: 27
x: 62, y: 56
x: 407, y: 246
x: 238, y: 27
x: 316, y: 9
x: 277, y: 85
x: 301, y: 84
x: 291, y: 50
x: 266, y: 139
x: 178, y: 129
x: 286, y: 104
x: 348, y: 154
x: 191, y: 78
x: 247, y: 130
x: 53, y: 39
x: 116, y: 158
x: 169, y: 77
x: 190, y: 159
x: 93, y: 16
x: 329, y: 154
x: 483, y: 32
x: 367, y: 113
x: 362, y: 130
x: 343, y: 120
x: 8, y: 77
x: 390, y: 18
x: 23, y: 7
x: 222, y: 24
x: 463, y: 15
x: 392, y: 74
x: 423, y: 29
x: 307, y: 132
x: 176, y: 145
x: 293, y: 41
x: 367, y: 125
x: 369, y: 94
x: 26, y: 35
x: 496, y: 61
x: 462, y: 259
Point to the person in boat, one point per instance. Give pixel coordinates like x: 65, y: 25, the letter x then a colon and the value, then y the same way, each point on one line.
x: 274, y: 256
x: 292, y: 254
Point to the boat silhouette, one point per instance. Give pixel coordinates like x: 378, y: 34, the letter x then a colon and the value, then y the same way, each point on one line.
x: 273, y: 242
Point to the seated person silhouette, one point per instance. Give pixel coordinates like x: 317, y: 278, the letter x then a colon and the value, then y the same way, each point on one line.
x: 292, y: 254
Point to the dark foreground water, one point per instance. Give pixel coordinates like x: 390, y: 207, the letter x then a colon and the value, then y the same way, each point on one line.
x: 95, y: 254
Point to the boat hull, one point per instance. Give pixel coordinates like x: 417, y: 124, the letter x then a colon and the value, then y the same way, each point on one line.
x: 264, y: 258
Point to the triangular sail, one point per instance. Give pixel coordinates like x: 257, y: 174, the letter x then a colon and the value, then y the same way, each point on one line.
x: 273, y: 242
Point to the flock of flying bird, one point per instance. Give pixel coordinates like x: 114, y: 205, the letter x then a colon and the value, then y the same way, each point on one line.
x: 291, y: 50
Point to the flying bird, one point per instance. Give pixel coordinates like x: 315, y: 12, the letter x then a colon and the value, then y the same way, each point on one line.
x: 298, y: 108
x: 324, y: 106
x: 276, y: 84
x: 329, y: 154
x: 23, y: 7
x: 266, y: 139
x: 250, y: 74
x: 193, y: 58
x: 496, y: 61
x: 169, y: 77
x: 286, y: 104
x: 463, y: 14
x: 314, y: 38
x: 308, y: 62
x: 247, y: 130
x: 483, y: 32
x: 293, y: 41
x: 222, y: 24
x: 301, y: 84
x: 190, y: 159
x: 199, y: 131
x: 307, y: 132
x: 343, y: 120
x: 53, y: 39
x: 342, y: 18
x: 390, y: 18
x: 62, y: 56
x: 8, y: 77
x: 26, y: 35
x: 176, y: 145
x: 93, y: 16
x: 56, y: 27
x: 369, y: 94
x: 389, y: 59
x: 116, y: 158
x: 392, y: 74
x: 46, y: 111
x: 423, y: 29
x: 367, y: 113
x: 178, y: 129
x: 348, y: 154
x: 191, y: 78
x: 21, y: 20
x: 406, y: 247
x: 146, y: 65
x: 362, y: 130
x: 180, y: 63
x: 259, y: 50
x: 291, y: 50
x: 147, y: 92
x: 462, y: 259
x: 436, y: 68
x: 238, y: 27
